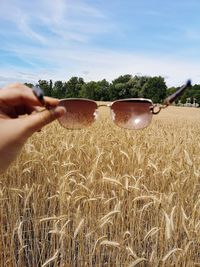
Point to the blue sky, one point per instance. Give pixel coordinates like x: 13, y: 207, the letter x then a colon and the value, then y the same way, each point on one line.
x: 48, y: 39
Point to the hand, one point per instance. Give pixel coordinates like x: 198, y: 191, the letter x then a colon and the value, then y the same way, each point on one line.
x: 16, y: 100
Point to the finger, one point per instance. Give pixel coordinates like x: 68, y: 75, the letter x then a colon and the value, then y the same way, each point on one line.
x: 24, y: 109
x: 19, y: 94
x: 36, y: 121
x: 51, y: 101
x: 30, y: 109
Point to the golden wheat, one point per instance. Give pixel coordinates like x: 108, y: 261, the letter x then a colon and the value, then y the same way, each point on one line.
x: 104, y: 196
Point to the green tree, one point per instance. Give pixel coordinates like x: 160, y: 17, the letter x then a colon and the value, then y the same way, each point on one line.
x: 102, y: 90
x: 59, y: 90
x: 192, y: 93
x: 44, y: 85
x: 73, y: 87
x: 30, y: 85
x: 51, y: 86
x: 195, y: 91
x: 154, y: 89
x: 122, y: 79
x: 89, y: 90
x: 119, y: 88
x: 136, y: 85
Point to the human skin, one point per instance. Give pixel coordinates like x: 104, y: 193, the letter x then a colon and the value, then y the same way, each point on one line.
x: 17, y: 100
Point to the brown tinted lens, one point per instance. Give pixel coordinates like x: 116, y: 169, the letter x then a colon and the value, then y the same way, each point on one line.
x: 132, y: 114
x: 79, y: 113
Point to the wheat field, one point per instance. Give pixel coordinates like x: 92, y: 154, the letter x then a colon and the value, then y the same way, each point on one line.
x: 104, y: 196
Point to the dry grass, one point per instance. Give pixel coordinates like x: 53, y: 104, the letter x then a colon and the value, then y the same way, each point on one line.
x: 105, y: 196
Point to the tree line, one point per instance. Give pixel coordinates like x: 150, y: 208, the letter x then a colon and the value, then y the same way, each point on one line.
x: 125, y: 86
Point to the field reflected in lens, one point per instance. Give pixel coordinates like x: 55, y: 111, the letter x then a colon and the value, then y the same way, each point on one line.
x: 131, y: 114
x: 79, y: 113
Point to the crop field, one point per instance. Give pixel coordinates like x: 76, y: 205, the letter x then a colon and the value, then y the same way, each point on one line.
x: 104, y: 196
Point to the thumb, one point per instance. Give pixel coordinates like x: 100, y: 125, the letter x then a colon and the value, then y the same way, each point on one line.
x: 36, y: 121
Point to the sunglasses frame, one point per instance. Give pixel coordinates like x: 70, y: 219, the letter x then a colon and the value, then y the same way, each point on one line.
x: 119, y: 100
x: 134, y: 100
x: 154, y: 108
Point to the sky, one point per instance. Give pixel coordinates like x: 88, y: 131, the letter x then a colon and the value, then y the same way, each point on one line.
x: 97, y: 39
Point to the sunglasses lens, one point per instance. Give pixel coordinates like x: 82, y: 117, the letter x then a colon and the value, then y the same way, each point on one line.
x: 79, y: 113
x: 132, y: 114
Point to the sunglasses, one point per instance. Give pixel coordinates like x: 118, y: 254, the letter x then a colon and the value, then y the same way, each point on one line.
x: 132, y: 113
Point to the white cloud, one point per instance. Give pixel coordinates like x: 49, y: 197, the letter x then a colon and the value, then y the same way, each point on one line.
x: 67, y: 21
x: 64, y: 31
x: 98, y: 64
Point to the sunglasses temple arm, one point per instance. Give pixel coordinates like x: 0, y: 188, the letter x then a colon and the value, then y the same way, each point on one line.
x: 38, y: 92
x: 170, y: 99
